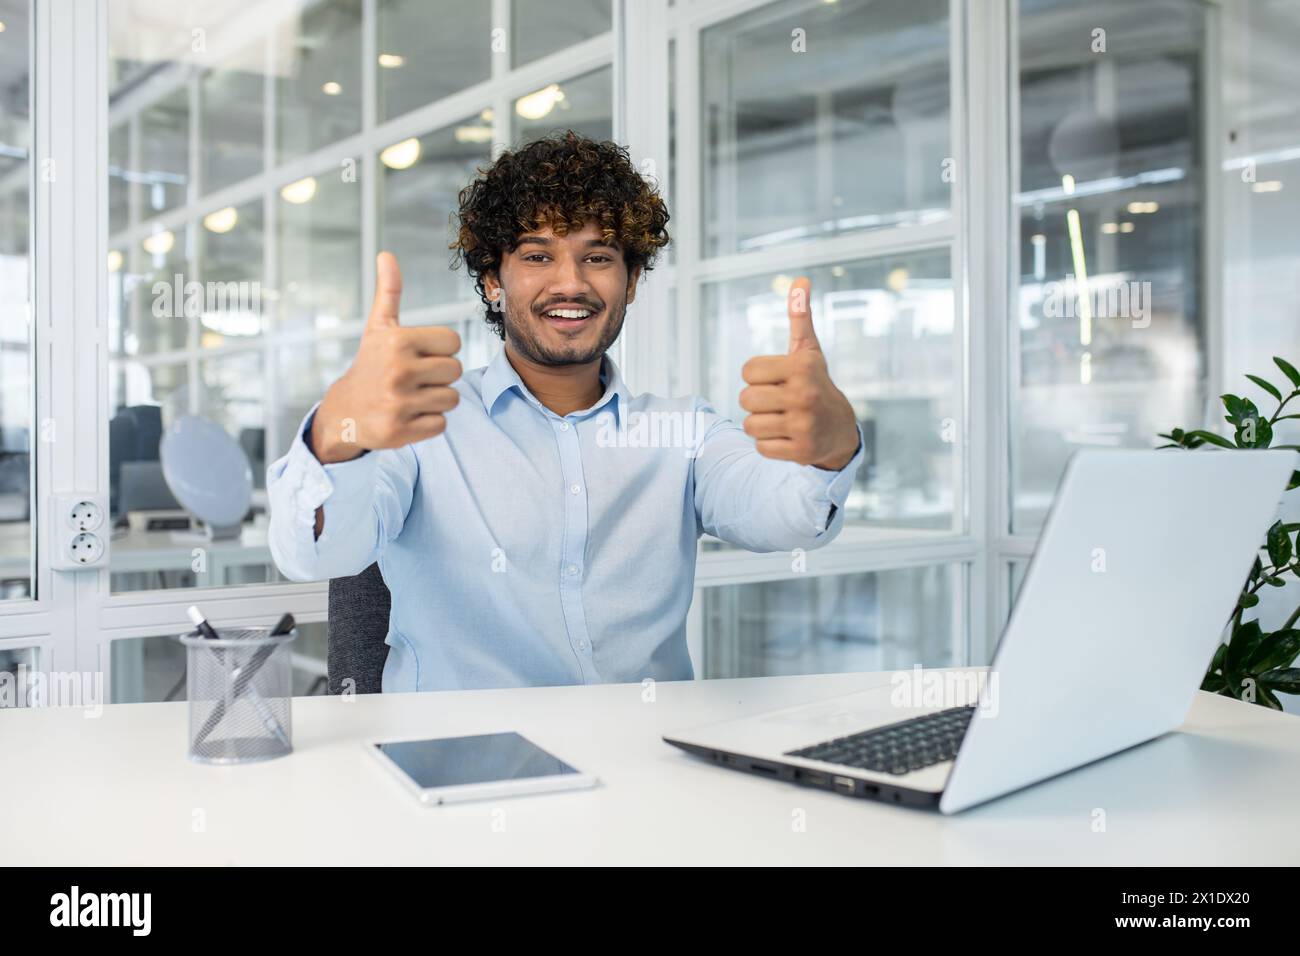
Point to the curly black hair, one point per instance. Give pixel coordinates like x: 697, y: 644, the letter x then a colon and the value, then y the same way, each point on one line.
x: 561, y: 181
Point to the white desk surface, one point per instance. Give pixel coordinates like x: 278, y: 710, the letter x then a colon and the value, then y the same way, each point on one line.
x: 119, y: 790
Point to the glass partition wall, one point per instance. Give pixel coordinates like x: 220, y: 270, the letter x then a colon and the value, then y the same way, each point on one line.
x: 1003, y: 213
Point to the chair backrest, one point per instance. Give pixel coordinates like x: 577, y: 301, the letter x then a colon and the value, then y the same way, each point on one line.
x: 358, y: 625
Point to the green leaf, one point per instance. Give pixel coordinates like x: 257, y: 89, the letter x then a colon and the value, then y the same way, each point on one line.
x: 1294, y: 482
x: 1214, y: 683
x: 1275, y: 582
x: 1284, y: 679
x: 1248, y: 600
x: 1279, y: 649
x: 1253, y: 432
x: 1245, y: 641
x: 1278, y: 543
x: 1234, y: 405
x: 1288, y: 370
x: 1219, y: 656
x: 1264, y: 697
x: 1214, y: 439
x: 1266, y: 386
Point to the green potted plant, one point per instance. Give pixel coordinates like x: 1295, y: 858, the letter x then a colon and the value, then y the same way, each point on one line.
x: 1256, y: 665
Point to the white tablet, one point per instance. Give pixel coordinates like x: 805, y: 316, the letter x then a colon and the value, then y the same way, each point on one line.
x: 484, y: 767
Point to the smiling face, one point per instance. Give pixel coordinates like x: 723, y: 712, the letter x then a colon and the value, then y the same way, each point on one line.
x: 563, y: 297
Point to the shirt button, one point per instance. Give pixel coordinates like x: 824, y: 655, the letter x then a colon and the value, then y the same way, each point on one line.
x: 582, y: 645
x: 572, y: 569
x: 575, y: 488
x: 564, y: 426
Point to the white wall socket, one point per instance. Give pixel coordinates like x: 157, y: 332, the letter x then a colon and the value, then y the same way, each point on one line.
x: 79, y: 532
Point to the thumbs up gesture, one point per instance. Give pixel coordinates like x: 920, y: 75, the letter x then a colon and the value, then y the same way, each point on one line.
x: 796, y: 412
x: 399, y: 386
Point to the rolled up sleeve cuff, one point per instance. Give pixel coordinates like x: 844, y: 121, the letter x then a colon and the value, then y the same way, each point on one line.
x: 300, y: 481
x: 834, y: 486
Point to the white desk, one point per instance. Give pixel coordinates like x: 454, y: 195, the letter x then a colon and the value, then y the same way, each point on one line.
x: 119, y: 790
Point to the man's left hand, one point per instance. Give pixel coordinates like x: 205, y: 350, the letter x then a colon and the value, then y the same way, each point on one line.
x: 796, y: 412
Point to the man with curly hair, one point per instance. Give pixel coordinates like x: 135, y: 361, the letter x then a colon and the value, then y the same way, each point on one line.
x: 535, y: 522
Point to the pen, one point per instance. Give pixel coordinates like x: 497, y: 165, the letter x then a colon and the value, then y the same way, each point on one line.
x: 241, y: 681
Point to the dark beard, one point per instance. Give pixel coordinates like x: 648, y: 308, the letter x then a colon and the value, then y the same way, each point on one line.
x: 527, y: 345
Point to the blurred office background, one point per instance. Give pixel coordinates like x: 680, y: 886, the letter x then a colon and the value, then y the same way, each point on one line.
x: 936, y: 167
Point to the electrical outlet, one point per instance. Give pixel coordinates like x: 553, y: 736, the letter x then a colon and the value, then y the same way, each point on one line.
x: 78, y: 532
x: 87, y: 548
x: 86, y: 515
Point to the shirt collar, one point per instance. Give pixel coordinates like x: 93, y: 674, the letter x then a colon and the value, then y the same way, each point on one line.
x: 500, y: 377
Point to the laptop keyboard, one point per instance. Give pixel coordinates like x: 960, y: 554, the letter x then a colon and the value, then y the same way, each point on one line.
x: 899, y: 748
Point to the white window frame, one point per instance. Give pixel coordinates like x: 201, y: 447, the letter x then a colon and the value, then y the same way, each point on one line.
x: 73, y: 617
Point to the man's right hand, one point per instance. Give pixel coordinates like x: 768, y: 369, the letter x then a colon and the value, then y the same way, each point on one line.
x: 399, y: 386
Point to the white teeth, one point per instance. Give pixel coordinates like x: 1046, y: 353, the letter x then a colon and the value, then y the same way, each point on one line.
x: 569, y: 313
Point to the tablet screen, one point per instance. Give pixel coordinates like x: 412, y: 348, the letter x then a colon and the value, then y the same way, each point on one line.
x: 452, y: 761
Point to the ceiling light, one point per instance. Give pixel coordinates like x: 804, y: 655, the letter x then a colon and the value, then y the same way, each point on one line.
x: 1110, y: 228
x: 1268, y: 186
x: 401, y: 155
x: 1126, y: 227
x: 332, y: 89
x: 223, y: 220
x: 114, y: 260
x: 160, y: 243
x: 391, y: 61
x: 534, y: 106
x: 300, y: 191
x: 897, y: 279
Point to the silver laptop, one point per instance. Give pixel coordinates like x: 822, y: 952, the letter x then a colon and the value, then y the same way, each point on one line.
x: 1136, y: 572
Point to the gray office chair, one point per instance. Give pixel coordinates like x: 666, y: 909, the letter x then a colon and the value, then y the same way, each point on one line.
x: 358, y: 623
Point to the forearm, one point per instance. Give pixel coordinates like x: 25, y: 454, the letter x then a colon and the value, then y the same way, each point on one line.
x: 763, y: 505
x: 332, y: 520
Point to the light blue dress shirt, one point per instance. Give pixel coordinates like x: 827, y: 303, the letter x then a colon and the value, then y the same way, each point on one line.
x: 525, y: 548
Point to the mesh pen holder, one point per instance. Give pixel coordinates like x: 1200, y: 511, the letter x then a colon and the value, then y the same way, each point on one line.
x: 240, y: 689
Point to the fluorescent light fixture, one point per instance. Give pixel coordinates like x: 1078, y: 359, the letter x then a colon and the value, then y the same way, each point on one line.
x: 1085, y: 368
x: 1138, y: 208
x: 391, y: 61
x: 1067, y: 184
x: 299, y: 191
x: 223, y: 220
x: 401, y: 155
x: 534, y: 106
x: 1126, y: 227
x: 114, y: 260
x: 1110, y: 228
x: 897, y: 279
x: 1080, y: 277
x: 332, y: 88
x: 473, y: 134
x: 1267, y: 186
